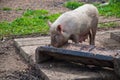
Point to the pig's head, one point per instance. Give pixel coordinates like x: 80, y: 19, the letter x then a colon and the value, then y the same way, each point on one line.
x: 58, y: 36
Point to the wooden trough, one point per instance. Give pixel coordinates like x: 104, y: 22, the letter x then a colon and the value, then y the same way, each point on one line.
x: 98, y: 56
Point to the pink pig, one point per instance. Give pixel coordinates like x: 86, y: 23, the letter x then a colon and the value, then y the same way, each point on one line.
x: 75, y: 25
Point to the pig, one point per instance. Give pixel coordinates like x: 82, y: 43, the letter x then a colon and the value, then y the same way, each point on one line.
x: 76, y: 25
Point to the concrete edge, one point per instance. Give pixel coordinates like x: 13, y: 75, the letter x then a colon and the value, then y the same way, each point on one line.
x: 29, y: 60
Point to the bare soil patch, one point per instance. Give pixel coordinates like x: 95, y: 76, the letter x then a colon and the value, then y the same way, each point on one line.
x: 12, y: 66
x: 54, y: 6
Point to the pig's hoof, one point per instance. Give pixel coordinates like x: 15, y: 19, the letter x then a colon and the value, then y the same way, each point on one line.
x: 91, y: 48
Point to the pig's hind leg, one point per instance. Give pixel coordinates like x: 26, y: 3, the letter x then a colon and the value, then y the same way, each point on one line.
x: 92, y: 34
x: 92, y: 31
x: 91, y: 37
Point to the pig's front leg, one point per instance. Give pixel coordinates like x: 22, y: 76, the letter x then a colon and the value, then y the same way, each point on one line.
x: 75, y: 38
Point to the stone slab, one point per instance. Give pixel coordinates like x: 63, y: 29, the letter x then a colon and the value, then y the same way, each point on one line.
x: 58, y: 70
x: 61, y: 70
x: 32, y: 41
x: 27, y: 46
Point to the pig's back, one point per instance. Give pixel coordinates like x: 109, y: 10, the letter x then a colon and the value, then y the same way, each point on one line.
x: 73, y: 21
x: 87, y: 9
x: 82, y: 13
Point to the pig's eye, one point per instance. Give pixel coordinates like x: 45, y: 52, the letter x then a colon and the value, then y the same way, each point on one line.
x: 55, y: 38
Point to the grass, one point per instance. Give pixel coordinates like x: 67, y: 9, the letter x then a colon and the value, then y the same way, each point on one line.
x: 108, y: 10
x: 32, y: 21
x: 10, y: 9
x: 73, y: 4
x: 17, y: 9
x: 6, y: 9
x: 108, y: 25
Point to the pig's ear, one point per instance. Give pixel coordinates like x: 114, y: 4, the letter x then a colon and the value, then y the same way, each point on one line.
x: 49, y: 23
x: 59, y: 28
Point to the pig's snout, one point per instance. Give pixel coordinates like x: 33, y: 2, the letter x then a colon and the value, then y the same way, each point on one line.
x: 58, y: 44
x: 54, y: 45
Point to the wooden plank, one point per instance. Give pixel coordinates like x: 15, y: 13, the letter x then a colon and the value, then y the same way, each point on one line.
x: 76, y: 56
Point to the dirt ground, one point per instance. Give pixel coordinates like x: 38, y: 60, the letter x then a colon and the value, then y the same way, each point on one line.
x: 12, y: 66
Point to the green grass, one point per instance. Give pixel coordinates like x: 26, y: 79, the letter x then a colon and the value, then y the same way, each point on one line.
x: 32, y: 21
x: 18, y: 9
x: 9, y: 9
x: 6, y: 9
x: 108, y: 10
x: 108, y: 25
x: 73, y: 4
